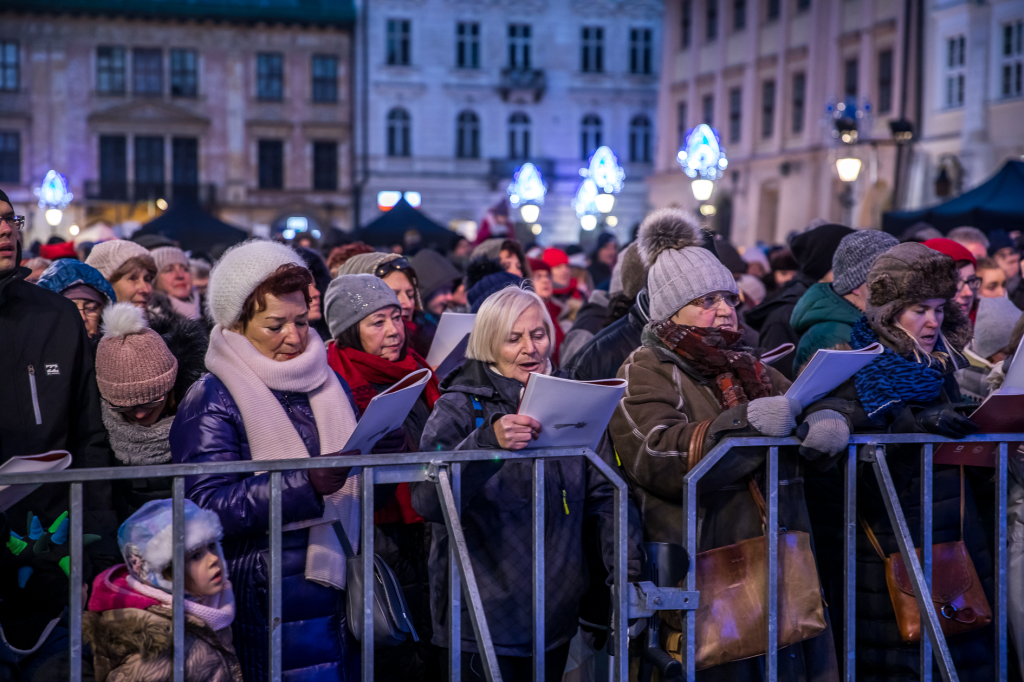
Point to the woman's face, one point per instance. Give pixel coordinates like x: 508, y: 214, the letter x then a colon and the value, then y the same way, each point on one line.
x: 561, y: 276
x: 402, y: 287
x: 964, y: 293
x: 383, y: 333
x: 721, y: 315
x: 510, y: 262
x: 542, y: 284
x: 924, y: 320
x: 136, y: 287
x: 525, y: 350
x: 993, y: 283
x: 175, y: 280
x: 315, y: 313
x: 609, y: 253
x: 279, y: 332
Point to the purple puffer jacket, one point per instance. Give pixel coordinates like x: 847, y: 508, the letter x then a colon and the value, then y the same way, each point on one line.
x: 315, y: 641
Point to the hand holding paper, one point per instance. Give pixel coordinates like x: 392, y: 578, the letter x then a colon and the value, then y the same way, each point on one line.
x: 516, y: 431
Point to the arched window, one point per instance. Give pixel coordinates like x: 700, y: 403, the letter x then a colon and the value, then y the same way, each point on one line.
x: 640, y: 139
x: 519, y: 136
x: 467, y: 136
x: 590, y: 137
x: 398, y: 133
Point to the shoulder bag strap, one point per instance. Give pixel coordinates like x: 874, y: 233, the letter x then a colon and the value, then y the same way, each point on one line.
x: 695, y: 451
x: 762, y: 507
x: 478, y: 410
x: 871, y: 537
x: 343, y: 539
x: 961, y: 503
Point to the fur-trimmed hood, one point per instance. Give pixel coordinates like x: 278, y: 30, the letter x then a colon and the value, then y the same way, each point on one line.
x: 908, y: 274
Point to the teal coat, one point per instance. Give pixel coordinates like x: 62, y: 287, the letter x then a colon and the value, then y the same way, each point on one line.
x: 823, y: 319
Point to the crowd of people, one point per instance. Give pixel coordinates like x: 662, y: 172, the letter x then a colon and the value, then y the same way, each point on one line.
x: 128, y: 353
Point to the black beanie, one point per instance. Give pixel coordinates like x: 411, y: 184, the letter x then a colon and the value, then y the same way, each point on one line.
x: 3, y: 197
x: 814, y: 249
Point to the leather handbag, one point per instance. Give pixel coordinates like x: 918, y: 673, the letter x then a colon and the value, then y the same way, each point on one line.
x: 732, y: 619
x: 392, y: 621
x: 957, y: 592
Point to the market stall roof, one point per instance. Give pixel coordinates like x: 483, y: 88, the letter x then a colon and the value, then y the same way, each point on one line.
x: 994, y: 205
x: 391, y: 228
x: 194, y: 229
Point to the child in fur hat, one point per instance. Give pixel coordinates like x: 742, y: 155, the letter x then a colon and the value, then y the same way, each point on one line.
x: 129, y: 622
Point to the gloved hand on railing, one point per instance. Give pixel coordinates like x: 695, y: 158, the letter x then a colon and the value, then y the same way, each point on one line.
x: 392, y: 443
x: 823, y: 433
x: 944, y: 420
x: 775, y: 416
x: 328, y: 481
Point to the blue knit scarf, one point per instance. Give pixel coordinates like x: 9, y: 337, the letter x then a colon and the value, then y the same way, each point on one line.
x: 891, y: 381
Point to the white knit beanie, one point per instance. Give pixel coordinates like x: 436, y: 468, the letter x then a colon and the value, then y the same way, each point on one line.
x: 107, y: 257
x: 679, y: 268
x: 240, y: 270
x: 168, y: 255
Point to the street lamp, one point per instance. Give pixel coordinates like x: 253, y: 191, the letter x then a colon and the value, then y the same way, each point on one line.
x: 604, y: 202
x: 588, y: 222
x: 530, y: 212
x: 703, y: 159
x: 702, y: 189
x: 848, y: 168
x: 54, y: 216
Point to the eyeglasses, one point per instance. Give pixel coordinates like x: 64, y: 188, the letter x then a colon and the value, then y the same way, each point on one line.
x: 712, y: 301
x: 974, y: 282
x: 88, y: 307
x: 145, y: 407
x: 15, y: 221
x: 393, y: 265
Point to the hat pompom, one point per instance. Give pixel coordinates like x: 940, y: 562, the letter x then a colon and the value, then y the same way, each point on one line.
x: 123, y: 319
x: 665, y: 229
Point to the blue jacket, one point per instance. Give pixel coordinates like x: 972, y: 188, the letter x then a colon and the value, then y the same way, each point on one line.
x: 315, y: 641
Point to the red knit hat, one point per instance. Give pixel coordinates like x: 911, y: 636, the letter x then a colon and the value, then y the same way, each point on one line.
x: 55, y: 251
x: 555, y: 257
x: 536, y: 264
x: 954, y: 250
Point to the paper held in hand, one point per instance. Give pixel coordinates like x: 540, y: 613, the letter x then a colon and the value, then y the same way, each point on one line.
x: 387, y: 411
x: 450, y: 331
x: 827, y: 371
x: 55, y: 460
x: 571, y: 413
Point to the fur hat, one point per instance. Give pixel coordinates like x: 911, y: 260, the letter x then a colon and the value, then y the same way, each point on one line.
x: 907, y: 274
x: 133, y: 364
x: 240, y: 270
x: 629, y: 275
x: 145, y: 539
x: 679, y: 268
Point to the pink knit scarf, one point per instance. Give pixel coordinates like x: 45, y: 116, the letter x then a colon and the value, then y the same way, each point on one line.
x: 217, y: 611
x: 250, y: 377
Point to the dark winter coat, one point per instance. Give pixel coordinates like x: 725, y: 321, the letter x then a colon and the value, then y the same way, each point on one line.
x: 772, y: 318
x: 605, y: 353
x: 49, y: 401
x: 496, y: 518
x: 881, y: 653
x: 315, y: 640
x: 665, y: 401
x: 589, y: 321
x: 822, y: 319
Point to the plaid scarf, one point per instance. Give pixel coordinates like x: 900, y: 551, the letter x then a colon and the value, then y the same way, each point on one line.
x: 718, y: 354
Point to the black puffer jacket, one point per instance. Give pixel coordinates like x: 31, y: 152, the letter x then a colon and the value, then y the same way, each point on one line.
x: 772, y: 320
x: 605, y: 353
x: 496, y: 518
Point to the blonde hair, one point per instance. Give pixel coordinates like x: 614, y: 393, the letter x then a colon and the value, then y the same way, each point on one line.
x: 495, y: 320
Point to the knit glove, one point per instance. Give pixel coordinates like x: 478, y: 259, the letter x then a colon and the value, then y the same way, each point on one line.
x: 824, y: 433
x: 775, y: 416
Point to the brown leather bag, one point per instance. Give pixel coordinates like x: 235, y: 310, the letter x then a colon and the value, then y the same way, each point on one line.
x: 956, y: 591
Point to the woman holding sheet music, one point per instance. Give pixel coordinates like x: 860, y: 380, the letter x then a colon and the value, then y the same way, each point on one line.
x: 910, y: 388
x: 690, y: 384
x: 511, y: 339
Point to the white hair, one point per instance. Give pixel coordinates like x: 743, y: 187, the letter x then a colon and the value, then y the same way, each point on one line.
x: 495, y: 320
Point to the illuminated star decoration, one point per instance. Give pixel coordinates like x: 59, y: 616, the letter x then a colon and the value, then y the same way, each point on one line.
x: 527, y: 186
x: 53, y: 193
x: 702, y: 155
x: 603, y: 174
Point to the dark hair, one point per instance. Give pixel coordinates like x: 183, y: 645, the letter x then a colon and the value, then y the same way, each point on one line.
x: 145, y: 262
x: 984, y: 264
x: 287, y: 279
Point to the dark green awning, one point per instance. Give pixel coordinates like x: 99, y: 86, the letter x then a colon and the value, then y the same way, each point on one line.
x: 321, y: 12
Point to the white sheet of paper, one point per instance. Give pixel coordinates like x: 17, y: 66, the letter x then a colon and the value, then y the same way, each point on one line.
x: 55, y: 460
x: 1014, y: 381
x: 571, y: 413
x: 827, y: 371
x: 387, y: 411
x: 450, y: 330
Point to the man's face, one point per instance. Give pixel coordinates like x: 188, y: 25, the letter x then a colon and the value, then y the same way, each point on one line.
x: 1009, y: 260
x: 9, y: 238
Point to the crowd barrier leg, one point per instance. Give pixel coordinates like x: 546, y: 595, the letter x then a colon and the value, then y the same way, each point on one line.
x: 1001, y: 557
x: 455, y: 583
x: 772, y: 534
x: 926, y: 607
x: 927, y: 486
x: 850, y: 566
x: 77, y: 508
x: 539, y: 639
x: 178, y: 569
x: 274, y: 579
x: 369, y: 581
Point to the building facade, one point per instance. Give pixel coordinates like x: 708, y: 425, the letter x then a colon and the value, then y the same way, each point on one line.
x: 459, y: 94
x: 244, y: 107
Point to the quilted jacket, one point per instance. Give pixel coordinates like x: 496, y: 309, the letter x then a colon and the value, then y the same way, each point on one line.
x: 315, y: 642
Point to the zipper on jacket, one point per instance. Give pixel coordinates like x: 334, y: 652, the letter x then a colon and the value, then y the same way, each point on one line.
x: 35, y: 394
x: 561, y: 484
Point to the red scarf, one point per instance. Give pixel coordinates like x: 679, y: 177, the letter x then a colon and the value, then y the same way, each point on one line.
x: 361, y: 370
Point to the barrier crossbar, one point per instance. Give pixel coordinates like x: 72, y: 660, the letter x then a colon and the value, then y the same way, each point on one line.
x: 934, y: 643
x: 443, y: 469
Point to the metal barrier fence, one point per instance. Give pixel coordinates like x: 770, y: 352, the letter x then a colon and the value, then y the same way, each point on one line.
x: 934, y: 643
x: 441, y: 468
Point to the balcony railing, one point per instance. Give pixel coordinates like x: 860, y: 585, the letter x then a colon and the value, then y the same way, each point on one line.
x: 137, y: 192
x: 529, y: 83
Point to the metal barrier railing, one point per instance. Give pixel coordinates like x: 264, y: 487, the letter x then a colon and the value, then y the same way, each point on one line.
x: 441, y: 468
x: 934, y: 643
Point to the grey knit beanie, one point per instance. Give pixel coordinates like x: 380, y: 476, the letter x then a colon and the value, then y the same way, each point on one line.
x: 350, y: 298
x: 165, y: 256
x: 994, y: 325
x: 855, y: 256
x: 680, y: 269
